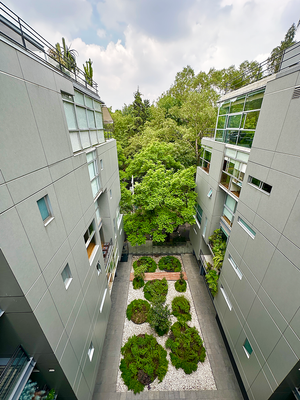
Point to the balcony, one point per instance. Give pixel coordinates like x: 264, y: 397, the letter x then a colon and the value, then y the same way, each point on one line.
x: 107, y: 249
x: 18, y: 31
x: 231, y: 184
x: 14, y: 373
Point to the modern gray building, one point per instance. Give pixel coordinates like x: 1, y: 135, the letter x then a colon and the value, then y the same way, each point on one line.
x: 61, y: 233
x: 248, y: 185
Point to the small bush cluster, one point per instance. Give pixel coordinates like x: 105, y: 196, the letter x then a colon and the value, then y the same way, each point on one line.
x: 138, y: 282
x: 159, y: 318
x: 144, y: 360
x: 180, y: 284
x: 169, y: 264
x: 186, y: 347
x: 156, y: 290
x: 148, y: 262
x: 181, y: 308
x: 137, y: 311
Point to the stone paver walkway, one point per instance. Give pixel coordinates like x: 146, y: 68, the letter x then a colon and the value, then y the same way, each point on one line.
x: 170, y: 276
x: 227, y: 386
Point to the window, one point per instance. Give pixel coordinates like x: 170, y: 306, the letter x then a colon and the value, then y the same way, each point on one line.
x: 84, y: 120
x: 90, y: 241
x: 204, y: 229
x: 199, y: 213
x: 101, y: 164
x: 209, y: 194
x: 234, y: 266
x: 91, y: 351
x: 93, y: 172
x: 97, y: 212
x: 233, y: 171
x: 229, y: 210
x: 118, y: 217
x: 66, y: 276
x: 205, y: 157
x: 238, y: 118
x: 259, y: 184
x: 99, y: 269
x: 247, y: 348
x: 103, y: 300
x: 110, y: 193
x: 45, y: 209
x: 226, y: 297
x: 246, y: 228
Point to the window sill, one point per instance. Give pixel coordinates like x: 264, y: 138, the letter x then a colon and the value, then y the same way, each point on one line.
x: 48, y: 220
x: 92, y: 256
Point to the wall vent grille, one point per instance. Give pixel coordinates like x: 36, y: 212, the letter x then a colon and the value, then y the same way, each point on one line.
x: 296, y: 94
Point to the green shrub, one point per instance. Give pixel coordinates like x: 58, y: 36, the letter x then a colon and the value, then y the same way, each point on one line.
x: 138, y: 283
x: 156, y: 290
x: 144, y: 360
x: 181, y: 308
x: 146, y: 261
x: 212, y: 278
x: 186, y: 347
x: 180, y: 284
x: 159, y: 318
x: 169, y: 264
x: 137, y: 311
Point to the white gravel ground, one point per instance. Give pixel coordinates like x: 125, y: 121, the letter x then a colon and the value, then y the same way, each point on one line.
x: 174, y: 380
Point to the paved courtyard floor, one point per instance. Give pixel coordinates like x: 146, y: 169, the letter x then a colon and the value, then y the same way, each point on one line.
x: 227, y: 386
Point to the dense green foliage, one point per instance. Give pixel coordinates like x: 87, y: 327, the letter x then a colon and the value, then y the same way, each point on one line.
x: 137, y: 311
x: 181, y: 308
x: 218, y: 245
x: 147, y: 262
x: 138, y: 282
x: 156, y: 290
x: 186, y: 347
x: 212, y: 278
x: 180, y: 284
x: 169, y: 264
x: 144, y: 360
x: 159, y: 318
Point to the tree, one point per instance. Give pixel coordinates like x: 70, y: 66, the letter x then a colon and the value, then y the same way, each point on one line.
x: 274, y: 60
x: 162, y: 201
x: 139, y: 111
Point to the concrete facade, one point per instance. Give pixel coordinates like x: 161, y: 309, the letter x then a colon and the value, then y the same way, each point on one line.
x: 56, y: 273
x: 258, y: 304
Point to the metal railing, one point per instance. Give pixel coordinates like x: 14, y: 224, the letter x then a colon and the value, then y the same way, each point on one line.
x: 282, y: 61
x: 12, y: 372
x: 17, y: 30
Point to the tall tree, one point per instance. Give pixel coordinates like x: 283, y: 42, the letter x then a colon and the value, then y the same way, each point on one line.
x: 274, y: 60
x: 162, y: 201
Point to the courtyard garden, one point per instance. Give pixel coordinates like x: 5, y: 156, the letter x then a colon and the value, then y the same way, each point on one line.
x: 162, y: 346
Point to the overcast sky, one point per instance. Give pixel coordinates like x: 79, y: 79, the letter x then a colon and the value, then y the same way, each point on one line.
x: 144, y: 43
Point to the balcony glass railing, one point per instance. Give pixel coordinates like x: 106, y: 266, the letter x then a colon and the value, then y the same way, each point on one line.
x: 12, y: 372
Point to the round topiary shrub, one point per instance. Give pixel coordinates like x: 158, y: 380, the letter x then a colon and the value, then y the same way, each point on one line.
x: 186, y: 347
x: 137, y: 311
x: 144, y: 360
x: 147, y: 261
x: 138, y: 282
x: 156, y: 290
x: 159, y: 318
x: 169, y: 264
x: 180, y: 284
x: 181, y: 308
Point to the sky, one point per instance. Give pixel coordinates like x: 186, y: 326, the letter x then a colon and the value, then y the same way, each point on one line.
x: 144, y: 43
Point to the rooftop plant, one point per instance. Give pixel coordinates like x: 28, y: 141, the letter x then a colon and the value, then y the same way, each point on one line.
x: 145, y: 261
x: 169, y: 264
x: 159, y: 318
x: 181, y: 308
x: 137, y: 311
x: 180, y: 284
x: 156, y: 290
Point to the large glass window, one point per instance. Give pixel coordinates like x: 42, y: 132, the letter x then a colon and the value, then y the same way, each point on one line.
x: 199, y: 213
x: 238, y: 118
x: 205, y: 157
x: 93, y: 172
x: 84, y: 119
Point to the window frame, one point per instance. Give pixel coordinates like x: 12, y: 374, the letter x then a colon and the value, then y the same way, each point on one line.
x: 246, y: 343
x: 68, y: 276
x: 260, y: 185
x: 47, y: 203
x: 91, y: 351
x: 235, y: 267
x: 226, y: 297
x: 246, y: 228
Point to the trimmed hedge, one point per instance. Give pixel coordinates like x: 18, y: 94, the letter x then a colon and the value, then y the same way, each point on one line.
x: 138, y: 282
x: 181, y: 308
x: 148, y: 262
x: 156, y: 290
x: 186, y: 347
x: 180, y: 285
x: 169, y: 264
x: 137, y: 311
x: 144, y: 360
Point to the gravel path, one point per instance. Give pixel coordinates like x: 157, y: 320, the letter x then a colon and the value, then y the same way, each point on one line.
x: 175, y: 380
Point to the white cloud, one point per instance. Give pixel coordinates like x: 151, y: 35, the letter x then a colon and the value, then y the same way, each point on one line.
x: 154, y: 40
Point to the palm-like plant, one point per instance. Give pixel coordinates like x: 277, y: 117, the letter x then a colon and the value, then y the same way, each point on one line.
x: 88, y: 71
x: 64, y: 55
